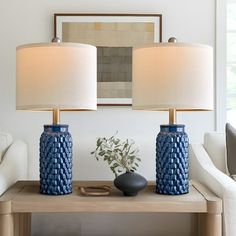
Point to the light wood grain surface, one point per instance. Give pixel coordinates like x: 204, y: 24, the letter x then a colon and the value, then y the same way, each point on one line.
x: 28, y: 199
x: 23, y: 198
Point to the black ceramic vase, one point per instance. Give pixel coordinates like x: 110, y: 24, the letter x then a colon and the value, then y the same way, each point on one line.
x: 130, y: 183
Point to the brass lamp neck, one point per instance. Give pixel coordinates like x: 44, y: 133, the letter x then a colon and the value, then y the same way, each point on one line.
x: 172, y: 116
x: 56, y: 116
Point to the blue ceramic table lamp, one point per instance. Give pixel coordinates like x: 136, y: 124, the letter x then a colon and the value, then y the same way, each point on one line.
x: 172, y: 77
x: 56, y: 77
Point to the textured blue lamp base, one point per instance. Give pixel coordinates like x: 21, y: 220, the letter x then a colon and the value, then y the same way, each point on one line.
x: 172, y: 162
x: 55, y: 160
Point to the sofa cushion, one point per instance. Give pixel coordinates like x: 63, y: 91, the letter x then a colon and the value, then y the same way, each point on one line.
x: 214, y: 144
x: 5, y: 142
x: 231, y: 148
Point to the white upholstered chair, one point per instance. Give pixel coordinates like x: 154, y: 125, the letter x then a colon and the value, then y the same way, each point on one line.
x: 13, y: 161
x: 208, y: 165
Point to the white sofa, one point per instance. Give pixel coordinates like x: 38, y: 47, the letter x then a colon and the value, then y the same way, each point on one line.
x: 208, y: 165
x: 13, y: 165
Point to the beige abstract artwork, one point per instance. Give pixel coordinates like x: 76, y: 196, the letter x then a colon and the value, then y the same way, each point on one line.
x: 114, y: 42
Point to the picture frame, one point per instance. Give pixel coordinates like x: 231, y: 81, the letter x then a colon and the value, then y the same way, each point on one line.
x: 114, y: 35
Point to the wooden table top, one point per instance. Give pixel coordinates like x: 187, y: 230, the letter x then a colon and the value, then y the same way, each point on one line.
x: 24, y: 196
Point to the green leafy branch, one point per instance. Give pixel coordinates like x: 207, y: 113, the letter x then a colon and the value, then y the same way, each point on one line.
x: 120, y: 155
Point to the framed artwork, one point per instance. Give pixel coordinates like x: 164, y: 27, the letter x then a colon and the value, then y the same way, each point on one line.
x: 114, y: 35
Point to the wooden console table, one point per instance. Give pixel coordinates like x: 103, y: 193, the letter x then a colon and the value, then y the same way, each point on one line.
x: 23, y: 198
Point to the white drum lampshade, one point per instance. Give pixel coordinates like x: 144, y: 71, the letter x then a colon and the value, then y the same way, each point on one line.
x: 173, y: 75
x: 56, y: 76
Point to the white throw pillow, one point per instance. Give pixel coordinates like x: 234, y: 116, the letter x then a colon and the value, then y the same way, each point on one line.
x: 5, y: 142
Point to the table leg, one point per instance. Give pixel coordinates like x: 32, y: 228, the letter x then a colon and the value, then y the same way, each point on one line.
x: 6, y: 225
x: 213, y: 224
x: 22, y: 224
x: 209, y: 224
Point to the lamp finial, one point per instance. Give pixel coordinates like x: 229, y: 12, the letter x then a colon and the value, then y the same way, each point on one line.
x: 172, y: 40
x: 56, y: 40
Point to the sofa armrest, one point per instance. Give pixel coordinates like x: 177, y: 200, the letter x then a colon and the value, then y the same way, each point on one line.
x: 203, y: 170
x: 14, y: 165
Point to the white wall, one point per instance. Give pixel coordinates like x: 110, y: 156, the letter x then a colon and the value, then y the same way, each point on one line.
x: 30, y: 21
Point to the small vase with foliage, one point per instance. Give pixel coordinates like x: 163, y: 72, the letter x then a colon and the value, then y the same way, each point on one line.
x: 123, y: 160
